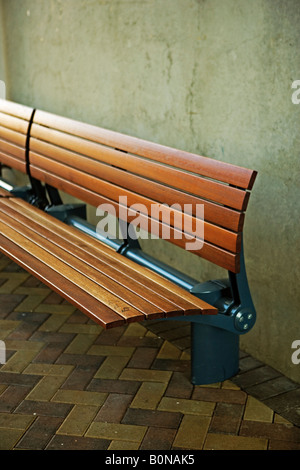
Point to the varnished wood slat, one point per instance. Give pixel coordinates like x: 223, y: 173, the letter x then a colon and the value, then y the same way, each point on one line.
x: 12, y: 149
x: 208, y: 251
x: 214, y: 213
x: 141, y: 291
x: 130, y: 280
x: 122, y: 308
x: 14, y: 123
x: 15, y: 109
x: 75, y: 295
x: 90, y: 251
x: 184, y: 223
x: 12, y: 136
x: 13, y: 162
x: 152, y: 171
x: 99, y: 250
x: 105, y: 283
x: 4, y: 192
x: 228, y: 173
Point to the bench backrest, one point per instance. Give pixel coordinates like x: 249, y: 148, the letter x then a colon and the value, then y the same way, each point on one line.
x: 14, y: 124
x: 98, y: 166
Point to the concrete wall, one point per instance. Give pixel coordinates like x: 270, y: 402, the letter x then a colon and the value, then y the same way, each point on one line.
x: 208, y: 76
x: 3, y: 76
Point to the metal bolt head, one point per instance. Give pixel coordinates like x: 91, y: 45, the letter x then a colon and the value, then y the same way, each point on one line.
x: 243, y: 320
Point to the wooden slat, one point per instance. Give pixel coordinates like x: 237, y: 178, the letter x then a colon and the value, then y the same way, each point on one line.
x: 75, y: 295
x: 14, y: 125
x: 179, y: 220
x: 123, y: 288
x: 111, y: 301
x: 172, y: 177
x: 13, y: 162
x: 231, y: 174
x: 87, y: 161
x: 215, y: 213
x: 12, y: 136
x: 15, y: 109
x: 4, y: 192
x: 75, y: 278
x: 136, y: 292
x: 12, y: 149
x: 79, y: 241
x: 208, y: 251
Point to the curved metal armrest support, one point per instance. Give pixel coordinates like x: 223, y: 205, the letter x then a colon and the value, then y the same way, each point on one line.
x: 233, y: 299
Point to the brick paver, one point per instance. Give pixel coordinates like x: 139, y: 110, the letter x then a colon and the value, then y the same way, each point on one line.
x: 68, y: 384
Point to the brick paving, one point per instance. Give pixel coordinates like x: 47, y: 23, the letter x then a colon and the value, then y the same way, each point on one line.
x: 68, y: 384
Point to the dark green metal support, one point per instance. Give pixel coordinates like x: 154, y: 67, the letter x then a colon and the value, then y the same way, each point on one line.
x: 214, y: 354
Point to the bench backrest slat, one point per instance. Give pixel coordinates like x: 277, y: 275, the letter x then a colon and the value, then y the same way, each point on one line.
x: 15, y: 119
x: 228, y: 173
x: 98, y: 166
x: 112, y: 188
x: 63, y: 147
x: 219, y: 256
x: 181, y: 179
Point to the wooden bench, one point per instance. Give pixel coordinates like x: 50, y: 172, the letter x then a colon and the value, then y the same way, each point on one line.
x: 144, y: 184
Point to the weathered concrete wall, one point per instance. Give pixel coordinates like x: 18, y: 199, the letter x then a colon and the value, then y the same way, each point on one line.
x: 208, y: 76
x: 3, y: 77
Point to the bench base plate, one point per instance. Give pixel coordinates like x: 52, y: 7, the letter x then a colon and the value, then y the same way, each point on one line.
x: 214, y: 354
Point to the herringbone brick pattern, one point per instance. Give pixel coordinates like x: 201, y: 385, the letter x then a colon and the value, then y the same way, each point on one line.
x: 68, y: 384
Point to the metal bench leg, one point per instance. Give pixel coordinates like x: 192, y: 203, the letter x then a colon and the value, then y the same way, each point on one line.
x: 215, y: 354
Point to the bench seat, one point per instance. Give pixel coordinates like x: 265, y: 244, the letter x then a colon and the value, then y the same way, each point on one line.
x: 109, y: 288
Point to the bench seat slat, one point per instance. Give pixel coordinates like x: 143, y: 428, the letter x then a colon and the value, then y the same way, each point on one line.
x: 4, y: 193
x: 101, y: 251
x: 100, y: 156
x: 114, y: 295
x: 130, y: 283
x: 125, y: 289
x: 231, y: 174
x: 67, y: 289
x: 102, y: 296
x: 108, y: 256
